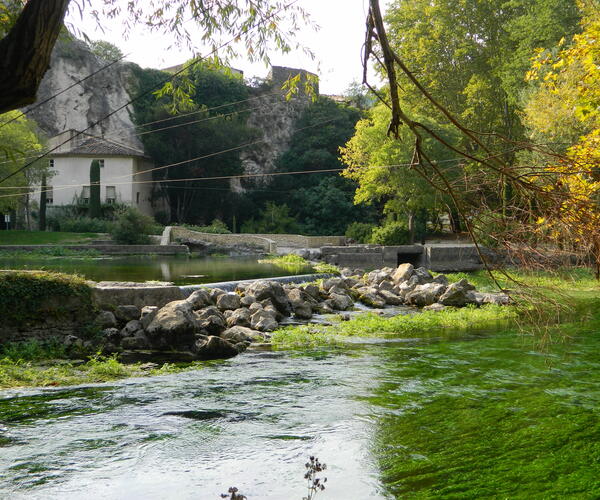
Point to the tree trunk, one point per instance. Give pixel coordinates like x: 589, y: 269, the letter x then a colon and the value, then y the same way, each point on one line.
x: 411, y: 228
x: 25, y: 52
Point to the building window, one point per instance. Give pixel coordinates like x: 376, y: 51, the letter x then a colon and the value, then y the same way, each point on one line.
x: 101, y: 163
x: 85, y: 195
x: 111, y: 194
x: 137, y: 197
x: 49, y: 195
x: 50, y: 163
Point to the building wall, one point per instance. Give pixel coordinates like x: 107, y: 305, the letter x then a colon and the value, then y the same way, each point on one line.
x: 143, y: 200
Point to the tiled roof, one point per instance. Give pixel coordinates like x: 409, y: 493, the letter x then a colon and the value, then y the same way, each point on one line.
x: 102, y: 147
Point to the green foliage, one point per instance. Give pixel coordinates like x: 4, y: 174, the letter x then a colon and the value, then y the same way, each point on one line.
x: 106, y: 50
x: 17, y: 237
x: 320, y: 202
x: 428, y: 323
x: 38, y: 295
x: 33, y: 350
x: 207, y: 132
x: 54, y: 251
x: 95, y: 189
x: 290, y: 262
x: 18, y: 141
x: 391, y: 233
x: 217, y: 226
x: 360, y: 232
x: 132, y: 228
x: 323, y: 267
x: 81, y: 224
x: 273, y: 219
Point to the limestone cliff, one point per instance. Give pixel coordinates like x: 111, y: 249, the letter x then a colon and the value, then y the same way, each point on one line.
x: 88, y: 101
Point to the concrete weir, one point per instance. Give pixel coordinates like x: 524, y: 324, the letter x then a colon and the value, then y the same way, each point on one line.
x: 107, y: 294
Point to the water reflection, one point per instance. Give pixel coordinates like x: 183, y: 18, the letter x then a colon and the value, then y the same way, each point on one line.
x: 182, y: 270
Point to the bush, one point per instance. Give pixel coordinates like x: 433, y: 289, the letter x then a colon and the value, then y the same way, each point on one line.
x: 132, y: 228
x: 80, y: 224
x: 360, y: 232
x: 217, y: 226
x: 392, y: 233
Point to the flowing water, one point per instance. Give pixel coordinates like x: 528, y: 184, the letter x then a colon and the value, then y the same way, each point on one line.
x: 481, y: 416
x: 182, y: 270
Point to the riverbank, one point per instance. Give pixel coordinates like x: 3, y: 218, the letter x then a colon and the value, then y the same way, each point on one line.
x: 35, y: 363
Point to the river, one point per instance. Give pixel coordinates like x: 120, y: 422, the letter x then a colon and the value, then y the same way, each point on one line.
x: 479, y: 416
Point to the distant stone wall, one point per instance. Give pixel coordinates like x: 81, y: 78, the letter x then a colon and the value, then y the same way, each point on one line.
x: 300, y: 241
x: 267, y: 242
x: 439, y: 258
x: 226, y: 240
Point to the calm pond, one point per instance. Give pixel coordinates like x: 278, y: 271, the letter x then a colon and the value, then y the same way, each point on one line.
x: 481, y: 416
x: 181, y: 270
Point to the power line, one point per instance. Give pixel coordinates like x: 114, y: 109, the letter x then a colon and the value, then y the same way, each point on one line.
x: 146, y: 92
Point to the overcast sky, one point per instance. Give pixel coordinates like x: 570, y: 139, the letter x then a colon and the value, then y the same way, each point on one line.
x: 337, y: 44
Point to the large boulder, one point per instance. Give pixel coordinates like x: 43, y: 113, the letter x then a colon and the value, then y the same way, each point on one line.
x: 500, y: 299
x: 229, y: 301
x: 238, y: 334
x: 199, y: 299
x: 147, y: 315
x: 127, y: 313
x: 340, y: 301
x: 458, y: 294
x: 211, y: 320
x: 402, y: 273
x: 390, y: 298
x: 313, y: 290
x: 425, y: 295
x: 173, y: 326
x: 272, y: 290
x: 105, y: 319
x: 214, y: 348
x: 240, y: 317
x: 301, y: 303
x: 330, y: 283
x: 370, y: 297
x: 264, y: 321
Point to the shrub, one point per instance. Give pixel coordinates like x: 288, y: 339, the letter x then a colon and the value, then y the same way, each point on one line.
x: 360, y: 232
x: 32, y: 296
x: 132, y: 227
x: 392, y: 233
x: 217, y: 226
x: 80, y: 224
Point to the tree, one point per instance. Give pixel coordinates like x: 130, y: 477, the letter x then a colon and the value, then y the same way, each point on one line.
x: 106, y: 50
x: 30, y: 32
x: 382, y: 168
x: 95, y: 189
x: 18, y: 141
x: 321, y: 201
x: 206, y: 132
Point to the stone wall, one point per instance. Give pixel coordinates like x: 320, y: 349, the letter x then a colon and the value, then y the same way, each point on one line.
x: 227, y: 240
x: 439, y: 258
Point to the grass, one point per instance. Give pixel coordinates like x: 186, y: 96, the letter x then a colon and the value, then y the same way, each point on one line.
x: 14, y: 237
x: 290, y: 262
x: 547, y: 298
x: 42, y: 253
x: 96, y: 370
x: 427, y: 323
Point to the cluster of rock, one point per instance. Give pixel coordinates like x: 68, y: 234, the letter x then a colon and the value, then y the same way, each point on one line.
x: 213, y: 324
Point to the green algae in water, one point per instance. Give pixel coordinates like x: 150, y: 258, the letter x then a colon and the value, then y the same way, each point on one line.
x: 490, y: 419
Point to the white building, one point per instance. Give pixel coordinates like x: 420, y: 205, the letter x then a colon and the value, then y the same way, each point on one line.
x: 125, y: 172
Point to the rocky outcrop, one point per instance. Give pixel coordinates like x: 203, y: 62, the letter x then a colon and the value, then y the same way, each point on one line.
x: 90, y: 100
